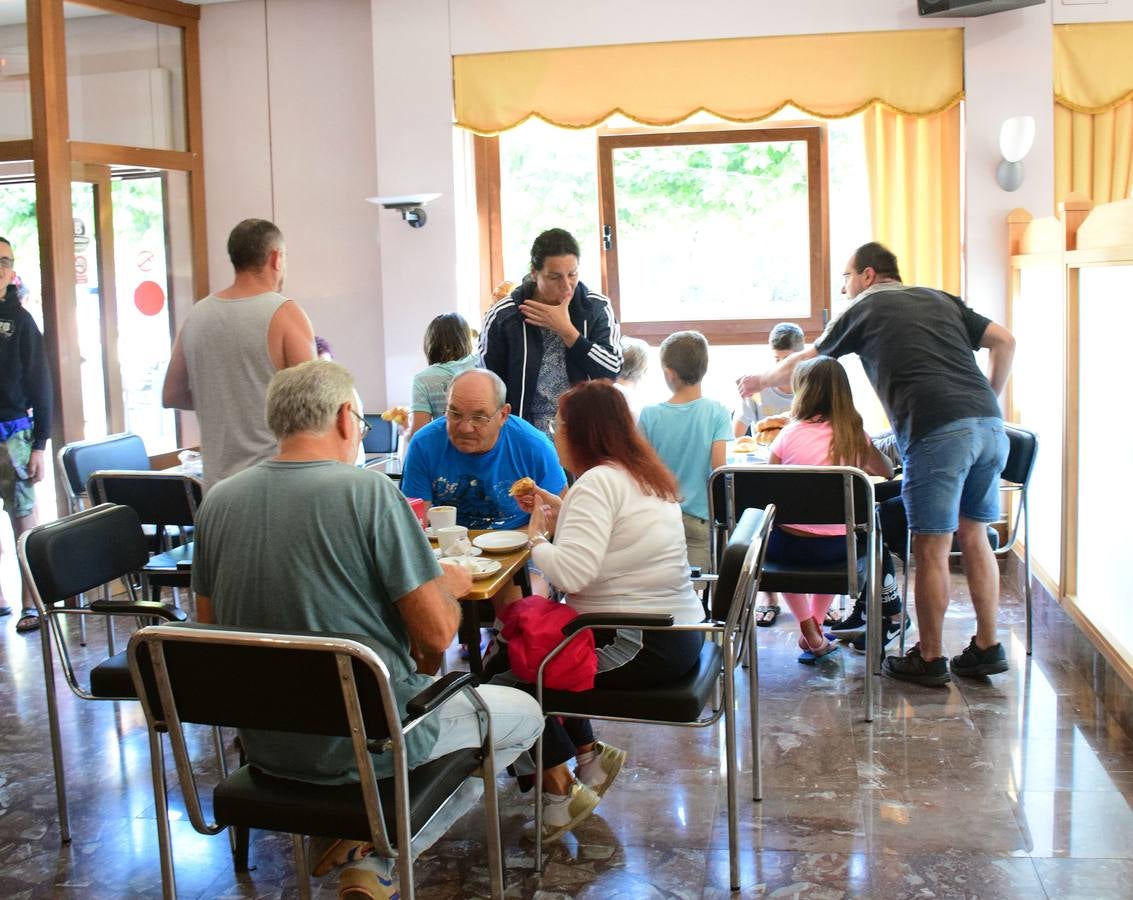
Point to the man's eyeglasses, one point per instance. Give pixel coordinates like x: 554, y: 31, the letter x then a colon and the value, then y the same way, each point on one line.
x: 364, y: 427
x: 477, y: 420
x: 6, y: 262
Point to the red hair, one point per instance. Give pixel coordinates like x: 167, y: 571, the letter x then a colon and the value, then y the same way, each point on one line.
x: 600, y: 429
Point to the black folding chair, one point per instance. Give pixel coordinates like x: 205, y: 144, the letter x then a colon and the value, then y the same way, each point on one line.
x: 81, y: 459
x: 335, y: 685
x: 1014, y: 482
x: 78, y: 460
x: 383, y: 436
x: 67, y: 558
x: 680, y: 703
x: 167, y: 501
x: 812, y: 495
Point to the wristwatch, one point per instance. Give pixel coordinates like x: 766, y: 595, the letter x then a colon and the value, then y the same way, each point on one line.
x: 537, y: 538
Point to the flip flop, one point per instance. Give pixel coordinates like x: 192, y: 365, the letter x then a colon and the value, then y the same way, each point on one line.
x: 5, y: 610
x: 28, y: 622
x: 765, y: 616
x: 810, y: 657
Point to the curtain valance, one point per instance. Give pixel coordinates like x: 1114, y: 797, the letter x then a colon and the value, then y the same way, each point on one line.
x: 915, y: 72
x: 1093, y: 66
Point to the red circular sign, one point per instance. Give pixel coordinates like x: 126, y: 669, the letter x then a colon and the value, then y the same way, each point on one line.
x: 149, y: 298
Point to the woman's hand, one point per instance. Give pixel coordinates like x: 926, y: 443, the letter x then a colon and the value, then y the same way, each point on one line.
x: 554, y: 317
x: 544, y: 504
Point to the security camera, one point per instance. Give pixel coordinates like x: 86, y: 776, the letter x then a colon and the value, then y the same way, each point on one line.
x: 409, y: 205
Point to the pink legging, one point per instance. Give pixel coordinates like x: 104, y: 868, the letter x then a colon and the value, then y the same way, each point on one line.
x: 809, y: 606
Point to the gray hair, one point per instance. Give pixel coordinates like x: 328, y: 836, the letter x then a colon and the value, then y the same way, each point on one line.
x: 787, y: 336
x: 498, y: 386
x: 307, y: 397
x: 635, y: 359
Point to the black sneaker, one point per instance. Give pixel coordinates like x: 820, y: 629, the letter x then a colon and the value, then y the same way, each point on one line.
x: 892, y: 629
x: 854, y: 623
x: 915, y: 668
x: 974, y: 662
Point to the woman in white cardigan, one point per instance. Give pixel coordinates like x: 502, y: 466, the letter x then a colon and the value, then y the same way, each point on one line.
x: 614, y: 543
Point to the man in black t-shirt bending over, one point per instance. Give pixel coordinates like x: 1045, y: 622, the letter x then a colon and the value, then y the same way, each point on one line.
x: 916, y: 346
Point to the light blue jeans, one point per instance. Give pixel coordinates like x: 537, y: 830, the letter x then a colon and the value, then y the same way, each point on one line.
x: 517, y: 722
x: 954, y: 471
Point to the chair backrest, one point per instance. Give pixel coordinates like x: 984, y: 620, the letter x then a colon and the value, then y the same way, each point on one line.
x: 382, y: 437
x: 82, y: 551
x: 1021, y: 457
x: 803, y: 495
x: 257, y: 678
x: 752, y: 529
x: 159, y: 498
x: 81, y: 459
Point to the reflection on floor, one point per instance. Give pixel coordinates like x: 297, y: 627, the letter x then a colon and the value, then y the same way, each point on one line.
x: 1015, y: 786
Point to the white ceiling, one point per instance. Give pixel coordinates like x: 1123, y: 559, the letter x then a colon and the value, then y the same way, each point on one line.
x: 13, y: 12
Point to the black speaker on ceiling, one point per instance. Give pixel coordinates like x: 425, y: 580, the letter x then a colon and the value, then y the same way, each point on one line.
x: 958, y: 9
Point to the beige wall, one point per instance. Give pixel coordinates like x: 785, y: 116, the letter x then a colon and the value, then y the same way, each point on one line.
x: 289, y: 136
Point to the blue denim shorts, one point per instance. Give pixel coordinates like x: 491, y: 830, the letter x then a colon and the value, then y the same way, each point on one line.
x: 952, y: 472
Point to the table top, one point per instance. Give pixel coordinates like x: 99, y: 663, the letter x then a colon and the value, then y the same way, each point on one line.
x: 510, y: 563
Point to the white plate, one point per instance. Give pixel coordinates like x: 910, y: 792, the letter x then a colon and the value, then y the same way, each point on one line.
x: 501, y: 541
x: 485, y: 568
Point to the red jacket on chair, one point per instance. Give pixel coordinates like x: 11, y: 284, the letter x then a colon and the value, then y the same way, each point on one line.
x: 533, y: 627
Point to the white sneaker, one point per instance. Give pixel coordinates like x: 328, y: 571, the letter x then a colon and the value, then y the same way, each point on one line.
x: 599, y: 773
x: 559, y: 818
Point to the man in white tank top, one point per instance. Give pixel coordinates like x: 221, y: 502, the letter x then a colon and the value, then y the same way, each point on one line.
x: 230, y: 346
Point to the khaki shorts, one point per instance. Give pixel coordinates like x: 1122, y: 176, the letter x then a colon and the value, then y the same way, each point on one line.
x: 16, y: 490
x: 696, y: 539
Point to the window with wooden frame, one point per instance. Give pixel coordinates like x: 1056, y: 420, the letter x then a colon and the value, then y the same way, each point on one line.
x: 721, y: 229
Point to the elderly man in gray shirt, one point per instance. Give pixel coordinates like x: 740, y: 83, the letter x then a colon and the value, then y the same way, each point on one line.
x: 306, y: 541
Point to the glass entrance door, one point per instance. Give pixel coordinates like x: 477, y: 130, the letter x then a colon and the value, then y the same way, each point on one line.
x: 121, y: 301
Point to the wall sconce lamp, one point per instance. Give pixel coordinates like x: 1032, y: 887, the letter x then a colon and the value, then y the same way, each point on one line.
x: 409, y: 205
x: 1016, y: 137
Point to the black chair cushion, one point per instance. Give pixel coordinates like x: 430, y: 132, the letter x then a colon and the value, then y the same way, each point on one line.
x: 254, y: 799
x: 798, y: 578
x: 111, y: 678
x: 679, y: 701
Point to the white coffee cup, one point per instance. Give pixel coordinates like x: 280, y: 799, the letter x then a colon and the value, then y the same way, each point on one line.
x: 450, y: 535
x: 442, y: 517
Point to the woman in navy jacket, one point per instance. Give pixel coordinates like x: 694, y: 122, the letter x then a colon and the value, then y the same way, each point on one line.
x: 551, y: 332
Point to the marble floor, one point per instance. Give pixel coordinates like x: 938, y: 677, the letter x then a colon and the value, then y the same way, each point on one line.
x: 1014, y: 786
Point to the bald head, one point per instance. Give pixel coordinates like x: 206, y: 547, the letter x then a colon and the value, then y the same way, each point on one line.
x: 477, y: 410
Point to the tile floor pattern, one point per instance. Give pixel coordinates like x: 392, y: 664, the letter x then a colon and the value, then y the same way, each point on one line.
x: 1015, y: 786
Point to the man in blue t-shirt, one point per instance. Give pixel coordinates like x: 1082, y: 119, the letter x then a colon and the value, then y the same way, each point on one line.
x: 472, y: 456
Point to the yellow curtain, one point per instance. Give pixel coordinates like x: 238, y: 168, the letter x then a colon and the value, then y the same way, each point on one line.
x: 1093, y: 111
x: 917, y: 72
x: 914, y: 180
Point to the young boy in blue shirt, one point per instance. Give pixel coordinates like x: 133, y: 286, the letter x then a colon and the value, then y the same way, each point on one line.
x: 689, y: 433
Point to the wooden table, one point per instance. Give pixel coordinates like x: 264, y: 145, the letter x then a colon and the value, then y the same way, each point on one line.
x: 476, y: 605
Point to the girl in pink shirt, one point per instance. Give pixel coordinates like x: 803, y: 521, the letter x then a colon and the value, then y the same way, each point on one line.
x: 825, y: 430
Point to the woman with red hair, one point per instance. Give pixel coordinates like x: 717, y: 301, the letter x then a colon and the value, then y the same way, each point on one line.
x: 614, y: 544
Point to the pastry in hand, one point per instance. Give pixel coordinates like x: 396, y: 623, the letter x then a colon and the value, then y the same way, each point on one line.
x: 524, y: 487
x: 397, y: 414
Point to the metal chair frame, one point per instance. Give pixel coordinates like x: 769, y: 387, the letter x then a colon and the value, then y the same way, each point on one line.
x: 736, y: 633
x: 52, y: 617
x: 859, y: 517
x: 351, y: 658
